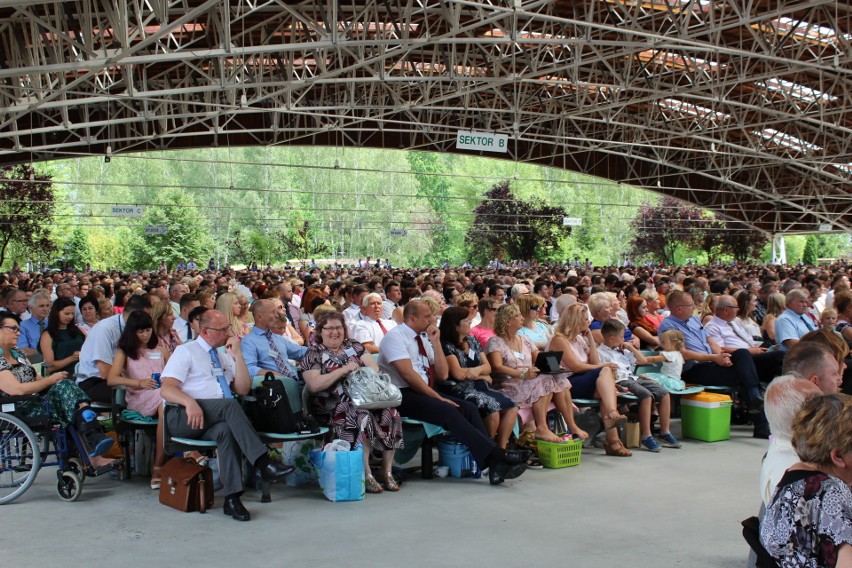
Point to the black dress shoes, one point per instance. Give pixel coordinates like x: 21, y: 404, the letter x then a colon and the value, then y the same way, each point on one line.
x: 518, y: 456
x: 761, y: 432
x: 755, y: 405
x: 234, y: 507
x: 502, y: 470
x: 274, y: 471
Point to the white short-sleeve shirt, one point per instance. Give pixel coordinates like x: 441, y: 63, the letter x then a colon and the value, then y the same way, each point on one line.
x: 192, y: 366
x: 366, y: 330
x: 100, y: 345
x: 400, y: 343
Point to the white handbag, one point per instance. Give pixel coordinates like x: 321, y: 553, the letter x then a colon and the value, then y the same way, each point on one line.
x: 371, y: 390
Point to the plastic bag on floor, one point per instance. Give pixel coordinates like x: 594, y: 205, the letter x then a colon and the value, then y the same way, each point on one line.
x: 341, y: 473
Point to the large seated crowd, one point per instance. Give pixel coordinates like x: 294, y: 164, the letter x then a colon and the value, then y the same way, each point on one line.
x: 461, y: 344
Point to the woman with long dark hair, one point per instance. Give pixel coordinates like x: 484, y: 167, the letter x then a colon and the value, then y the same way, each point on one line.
x: 62, y: 340
x: 138, y: 358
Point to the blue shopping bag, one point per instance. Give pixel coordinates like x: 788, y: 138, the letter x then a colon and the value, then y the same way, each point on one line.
x: 341, y: 473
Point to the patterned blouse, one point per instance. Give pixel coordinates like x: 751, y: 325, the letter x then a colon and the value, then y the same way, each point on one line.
x: 466, y: 360
x: 321, y: 358
x: 22, y: 370
x: 809, y: 518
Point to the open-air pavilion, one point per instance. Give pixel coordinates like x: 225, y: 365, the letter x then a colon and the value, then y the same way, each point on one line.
x: 740, y: 108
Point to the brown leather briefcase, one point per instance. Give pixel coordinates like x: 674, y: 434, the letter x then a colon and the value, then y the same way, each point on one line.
x: 186, y: 486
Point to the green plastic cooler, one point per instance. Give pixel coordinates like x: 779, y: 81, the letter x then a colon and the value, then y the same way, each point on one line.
x: 706, y: 416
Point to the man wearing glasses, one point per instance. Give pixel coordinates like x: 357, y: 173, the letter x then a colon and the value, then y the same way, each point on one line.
x: 730, y: 336
x: 707, y: 364
x: 201, y: 379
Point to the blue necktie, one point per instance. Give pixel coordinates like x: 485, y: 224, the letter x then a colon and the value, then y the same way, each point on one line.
x: 217, y: 367
x: 188, y: 332
x: 807, y: 324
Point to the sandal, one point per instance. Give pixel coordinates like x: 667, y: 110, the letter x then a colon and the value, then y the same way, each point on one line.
x: 613, y: 420
x: 389, y: 483
x: 371, y: 485
x: 156, y: 480
x: 617, y: 449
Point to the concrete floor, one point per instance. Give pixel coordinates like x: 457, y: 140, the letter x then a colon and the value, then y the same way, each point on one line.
x: 675, y: 508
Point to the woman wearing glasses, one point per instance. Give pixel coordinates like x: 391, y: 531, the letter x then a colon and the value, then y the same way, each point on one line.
x: 328, y: 361
x: 534, y: 309
x: 68, y: 404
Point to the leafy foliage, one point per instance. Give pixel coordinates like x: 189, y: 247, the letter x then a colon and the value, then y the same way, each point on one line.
x: 743, y: 245
x: 661, y: 228
x: 26, y: 212
x: 810, y: 255
x: 506, y: 227
x: 77, y: 252
x: 186, y: 236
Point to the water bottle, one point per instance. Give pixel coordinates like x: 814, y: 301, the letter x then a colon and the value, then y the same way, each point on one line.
x: 156, y: 377
x: 475, y: 472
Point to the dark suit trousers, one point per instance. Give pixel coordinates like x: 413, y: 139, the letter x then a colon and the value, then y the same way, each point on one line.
x: 464, y: 422
x: 742, y: 373
x: 227, y: 425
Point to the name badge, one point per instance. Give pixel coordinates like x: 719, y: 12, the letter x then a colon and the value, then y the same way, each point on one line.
x: 273, y: 353
x: 471, y: 355
x: 217, y: 370
x: 518, y: 354
x: 325, y: 357
x: 349, y: 352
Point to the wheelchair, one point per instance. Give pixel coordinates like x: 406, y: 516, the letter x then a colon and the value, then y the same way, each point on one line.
x: 25, y: 447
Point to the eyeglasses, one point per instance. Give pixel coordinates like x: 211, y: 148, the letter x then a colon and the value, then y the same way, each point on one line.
x: 690, y: 306
x: 335, y: 328
x: 12, y: 328
x: 229, y: 329
x: 534, y: 307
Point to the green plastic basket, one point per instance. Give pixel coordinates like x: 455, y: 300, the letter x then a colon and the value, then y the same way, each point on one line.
x: 555, y: 456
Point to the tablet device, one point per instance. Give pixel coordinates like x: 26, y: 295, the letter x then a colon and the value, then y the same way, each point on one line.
x: 548, y: 361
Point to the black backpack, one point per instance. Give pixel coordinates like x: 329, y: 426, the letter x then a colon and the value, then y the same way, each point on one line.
x: 271, y: 410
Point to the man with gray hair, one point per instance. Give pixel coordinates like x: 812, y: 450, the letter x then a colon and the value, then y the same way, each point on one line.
x: 368, y: 327
x: 793, y: 322
x: 783, y: 399
x: 32, y: 328
x: 519, y: 289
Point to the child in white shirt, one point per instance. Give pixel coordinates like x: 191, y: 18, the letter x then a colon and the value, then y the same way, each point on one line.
x: 615, y: 350
x: 672, y: 343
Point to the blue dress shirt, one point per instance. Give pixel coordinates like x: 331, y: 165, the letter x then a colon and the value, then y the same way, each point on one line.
x: 255, y: 347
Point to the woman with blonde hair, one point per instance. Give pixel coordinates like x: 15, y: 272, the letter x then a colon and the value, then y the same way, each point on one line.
x: 708, y: 308
x: 207, y: 298
x: 163, y: 317
x: 235, y: 308
x: 511, y: 357
x: 652, y: 299
x: 588, y: 376
x: 775, y: 305
x: 533, y: 307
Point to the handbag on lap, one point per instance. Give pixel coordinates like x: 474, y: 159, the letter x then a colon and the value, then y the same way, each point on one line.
x: 370, y: 390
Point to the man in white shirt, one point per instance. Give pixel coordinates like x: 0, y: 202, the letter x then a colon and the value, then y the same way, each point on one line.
x: 411, y: 354
x: 729, y: 336
x: 393, y: 294
x: 356, y: 297
x: 199, y: 379
x: 188, y: 302
x: 368, y: 327
x: 783, y: 399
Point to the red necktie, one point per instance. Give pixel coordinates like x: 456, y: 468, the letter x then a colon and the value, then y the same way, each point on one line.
x: 425, y: 355
x: 382, y: 327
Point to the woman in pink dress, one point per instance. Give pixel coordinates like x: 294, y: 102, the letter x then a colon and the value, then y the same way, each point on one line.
x: 138, y: 362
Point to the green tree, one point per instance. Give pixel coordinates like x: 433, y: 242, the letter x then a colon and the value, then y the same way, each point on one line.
x: 435, y: 189
x: 26, y: 212
x: 187, y: 234
x: 809, y: 257
x: 77, y: 251
x: 506, y: 227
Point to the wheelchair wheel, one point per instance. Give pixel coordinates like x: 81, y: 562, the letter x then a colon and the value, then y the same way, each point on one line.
x: 69, y: 487
x: 75, y: 465
x: 19, y: 458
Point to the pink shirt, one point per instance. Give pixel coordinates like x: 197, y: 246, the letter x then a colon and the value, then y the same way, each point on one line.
x: 482, y: 335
